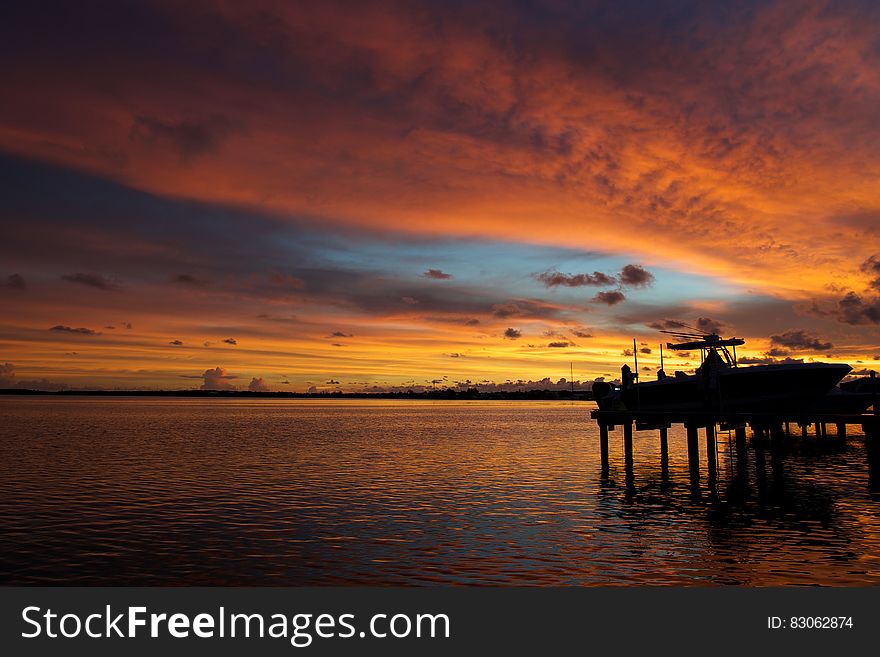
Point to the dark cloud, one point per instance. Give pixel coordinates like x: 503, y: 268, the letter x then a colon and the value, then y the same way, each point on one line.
x: 581, y: 333
x: 871, y: 266
x: 189, y: 138
x: 176, y: 343
x: 472, y: 322
x: 636, y: 276
x: 437, y: 274
x: 187, y: 279
x: 552, y: 278
x: 799, y: 339
x: 503, y: 310
x: 776, y: 352
x: 512, y: 333
x: 15, y: 282
x: 217, y: 379
x: 710, y: 325
x: 454, y: 355
x: 666, y: 325
x: 340, y: 334
x: 524, y: 308
x: 645, y: 350
x: 332, y: 382
x: 91, y: 280
x: 68, y: 329
x: 337, y: 344
x: 609, y: 298
x: 561, y: 344
x: 127, y: 325
x: 855, y: 309
x: 230, y: 341
x: 258, y: 384
x: 410, y: 301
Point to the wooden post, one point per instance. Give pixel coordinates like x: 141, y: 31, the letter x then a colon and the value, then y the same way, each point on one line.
x: 804, y: 431
x: 628, y: 444
x: 741, y: 444
x: 841, y: 431
x: 693, y: 451
x: 787, y: 429
x: 777, y: 439
x: 664, y: 447
x: 711, y: 450
x: 603, y: 444
x: 757, y: 435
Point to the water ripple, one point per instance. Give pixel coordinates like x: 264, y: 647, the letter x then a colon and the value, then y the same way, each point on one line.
x: 296, y: 492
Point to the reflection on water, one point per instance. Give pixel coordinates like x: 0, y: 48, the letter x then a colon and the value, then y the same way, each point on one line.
x: 290, y: 492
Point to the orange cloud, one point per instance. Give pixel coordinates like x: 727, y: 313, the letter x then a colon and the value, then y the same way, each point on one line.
x: 742, y: 145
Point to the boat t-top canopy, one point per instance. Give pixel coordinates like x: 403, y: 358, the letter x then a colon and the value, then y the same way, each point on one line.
x: 710, y: 346
x: 707, y: 342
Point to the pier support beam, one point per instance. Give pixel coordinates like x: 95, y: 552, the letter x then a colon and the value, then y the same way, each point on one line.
x: 664, y: 447
x: 741, y: 444
x: 711, y: 451
x: 693, y: 451
x: 603, y: 444
x: 777, y: 439
x: 841, y: 432
x: 628, y: 444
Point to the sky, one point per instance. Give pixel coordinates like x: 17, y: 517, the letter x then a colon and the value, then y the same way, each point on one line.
x: 375, y: 196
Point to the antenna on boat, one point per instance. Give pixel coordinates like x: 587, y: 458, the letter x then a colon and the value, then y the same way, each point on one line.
x: 571, y: 376
x: 636, y: 359
x: 661, y: 355
x: 636, y: 373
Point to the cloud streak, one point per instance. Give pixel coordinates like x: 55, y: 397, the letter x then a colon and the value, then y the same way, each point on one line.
x: 91, y: 280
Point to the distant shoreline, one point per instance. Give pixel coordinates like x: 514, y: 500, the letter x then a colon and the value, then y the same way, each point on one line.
x: 577, y: 395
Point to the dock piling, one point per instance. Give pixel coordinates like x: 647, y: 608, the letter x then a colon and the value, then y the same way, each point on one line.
x: 664, y: 447
x: 693, y: 450
x: 768, y: 430
x: 741, y: 444
x: 603, y: 444
x: 711, y: 451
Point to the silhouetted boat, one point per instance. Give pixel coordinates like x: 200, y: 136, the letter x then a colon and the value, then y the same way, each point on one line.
x: 719, y: 384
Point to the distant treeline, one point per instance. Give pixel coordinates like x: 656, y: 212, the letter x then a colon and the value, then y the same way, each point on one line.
x: 440, y: 393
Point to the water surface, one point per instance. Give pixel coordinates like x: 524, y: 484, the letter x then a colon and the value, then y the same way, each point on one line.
x: 298, y: 492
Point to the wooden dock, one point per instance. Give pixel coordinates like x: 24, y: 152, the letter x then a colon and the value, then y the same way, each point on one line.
x: 766, y: 428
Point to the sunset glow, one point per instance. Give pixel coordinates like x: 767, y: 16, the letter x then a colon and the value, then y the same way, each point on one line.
x: 366, y: 196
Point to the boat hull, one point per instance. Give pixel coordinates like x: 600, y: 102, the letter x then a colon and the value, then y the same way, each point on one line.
x: 760, y: 388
